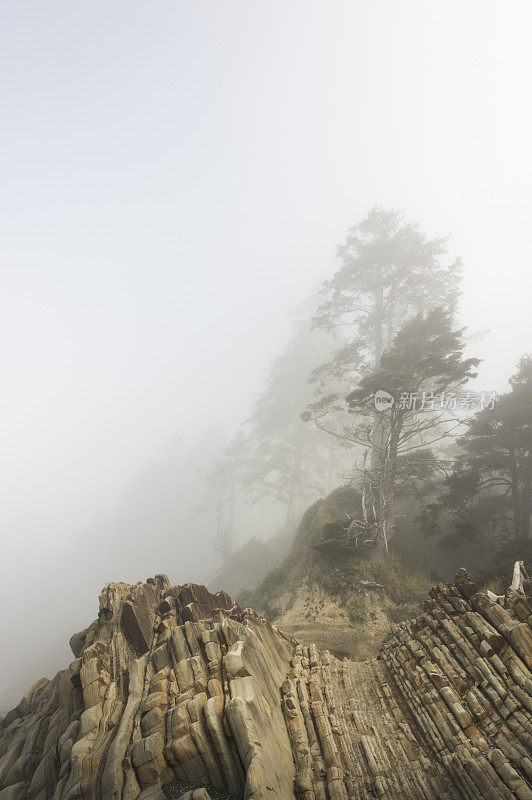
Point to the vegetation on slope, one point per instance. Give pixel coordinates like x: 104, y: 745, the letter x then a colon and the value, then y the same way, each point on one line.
x: 251, y: 563
x: 322, y: 557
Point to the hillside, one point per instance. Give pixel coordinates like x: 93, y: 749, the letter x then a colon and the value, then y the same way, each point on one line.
x: 178, y: 693
x: 251, y: 563
x: 330, y: 592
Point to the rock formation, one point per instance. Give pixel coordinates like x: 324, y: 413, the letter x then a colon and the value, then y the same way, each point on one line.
x: 177, y: 692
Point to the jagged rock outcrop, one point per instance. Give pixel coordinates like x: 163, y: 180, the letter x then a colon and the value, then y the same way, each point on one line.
x: 177, y: 687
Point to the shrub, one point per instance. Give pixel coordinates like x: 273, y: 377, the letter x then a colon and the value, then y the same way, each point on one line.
x: 356, y: 610
x: 403, y: 612
x: 402, y: 584
x: 336, y: 583
x: 498, y: 585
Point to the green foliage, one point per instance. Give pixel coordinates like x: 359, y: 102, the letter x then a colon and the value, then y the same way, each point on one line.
x: 250, y: 563
x: 387, y: 258
x: 340, y: 575
x: 347, y: 499
x: 263, y: 597
x: 499, y: 570
x: 337, y: 584
x: 389, y: 271
x: 489, y: 493
x: 401, y: 583
x: 403, y: 612
x: 497, y: 585
x: 303, y: 562
x: 426, y: 358
x: 406, y: 588
x: 426, y: 354
x: 276, y: 578
x: 356, y: 611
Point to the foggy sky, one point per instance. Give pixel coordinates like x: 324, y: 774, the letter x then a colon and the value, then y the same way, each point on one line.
x: 174, y: 177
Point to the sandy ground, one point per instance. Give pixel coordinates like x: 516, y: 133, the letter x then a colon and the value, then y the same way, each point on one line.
x: 311, y: 616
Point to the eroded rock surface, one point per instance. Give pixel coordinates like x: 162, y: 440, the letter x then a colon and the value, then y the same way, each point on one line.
x: 177, y: 687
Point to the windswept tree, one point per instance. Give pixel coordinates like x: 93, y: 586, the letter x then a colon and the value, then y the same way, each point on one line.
x: 390, y: 272
x: 488, y: 494
x: 426, y: 360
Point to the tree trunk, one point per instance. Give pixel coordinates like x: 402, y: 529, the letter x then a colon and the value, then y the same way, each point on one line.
x: 514, y: 489
x: 396, y: 425
x: 526, y: 498
x: 378, y: 419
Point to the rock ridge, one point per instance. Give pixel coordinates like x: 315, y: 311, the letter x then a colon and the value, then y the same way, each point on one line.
x: 177, y: 686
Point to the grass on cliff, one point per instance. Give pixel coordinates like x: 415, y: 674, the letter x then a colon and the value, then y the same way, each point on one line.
x: 297, y: 565
x: 338, y: 573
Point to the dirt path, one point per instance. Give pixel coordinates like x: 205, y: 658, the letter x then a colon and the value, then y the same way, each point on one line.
x: 312, y: 617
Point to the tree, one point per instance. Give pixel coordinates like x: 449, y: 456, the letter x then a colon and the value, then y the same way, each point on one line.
x: 220, y: 495
x: 390, y: 271
x: 290, y: 461
x: 489, y: 491
x: 425, y: 360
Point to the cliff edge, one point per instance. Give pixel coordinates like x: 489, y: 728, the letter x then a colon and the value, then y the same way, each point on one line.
x: 177, y: 692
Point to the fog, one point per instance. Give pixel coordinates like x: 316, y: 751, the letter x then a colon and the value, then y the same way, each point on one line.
x: 175, y: 178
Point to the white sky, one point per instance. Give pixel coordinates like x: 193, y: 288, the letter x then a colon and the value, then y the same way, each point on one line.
x: 174, y: 177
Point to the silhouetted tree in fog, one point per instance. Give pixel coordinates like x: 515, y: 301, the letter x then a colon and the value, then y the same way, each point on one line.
x: 219, y: 499
x: 425, y: 360
x: 390, y: 271
x: 290, y: 461
x: 488, y: 495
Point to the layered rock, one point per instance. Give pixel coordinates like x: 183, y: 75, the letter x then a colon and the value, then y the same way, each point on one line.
x: 177, y: 686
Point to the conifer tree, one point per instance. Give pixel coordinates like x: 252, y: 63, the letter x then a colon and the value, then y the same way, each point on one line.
x: 488, y: 494
x: 425, y: 360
